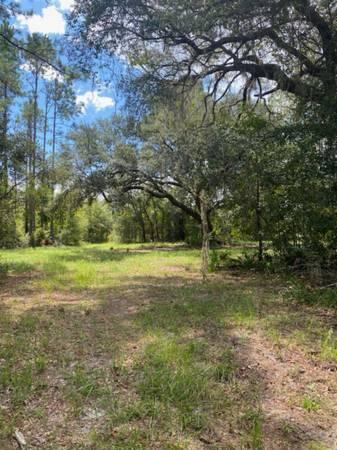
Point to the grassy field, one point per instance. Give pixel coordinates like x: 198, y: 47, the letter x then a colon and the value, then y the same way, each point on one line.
x: 126, y: 348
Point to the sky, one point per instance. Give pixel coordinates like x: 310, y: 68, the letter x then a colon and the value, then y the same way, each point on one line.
x: 49, y: 17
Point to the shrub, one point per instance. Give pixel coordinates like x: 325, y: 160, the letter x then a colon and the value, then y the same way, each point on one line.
x: 99, y: 224
x: 40, y: 237
x: 71, y: 234
x: 214, y: 261
x: 8, y: 232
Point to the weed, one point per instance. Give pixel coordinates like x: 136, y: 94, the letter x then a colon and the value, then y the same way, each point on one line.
x: 310, y: 404
x: 224, y: 369
x: 329, y: 345
x: 253, y: 420
x: 83, y: 385
x: 40, y: 363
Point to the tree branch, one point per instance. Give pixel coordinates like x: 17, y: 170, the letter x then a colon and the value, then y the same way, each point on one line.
x: 26, y: 50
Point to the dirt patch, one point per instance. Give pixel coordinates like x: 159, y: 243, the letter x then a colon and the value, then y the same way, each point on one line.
x: 287, y: 378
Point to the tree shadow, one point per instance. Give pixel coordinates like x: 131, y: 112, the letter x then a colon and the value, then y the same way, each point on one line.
x: 96, y: 255
x: 93, y: 328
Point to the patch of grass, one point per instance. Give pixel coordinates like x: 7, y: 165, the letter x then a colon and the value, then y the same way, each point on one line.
x: 305, y: 294
x: 19, y: 381
x: 28, y: 324
x: 197, y: 306
x: 7, y: 426
x: 288, y: 428
x: 84, y: 384
x: 133, y: 439
x: 21, y: 360
x: 224, y: 370
x: 171, y: 373
x: 40, y: 363
x: 292, y: 327
x: 15, y: 267
x: 329, y: 345
x: 253, y: 420
x: 310, y: 404
x: 317, y: 446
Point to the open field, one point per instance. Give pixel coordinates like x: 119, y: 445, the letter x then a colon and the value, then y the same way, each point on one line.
x: 128, y: 349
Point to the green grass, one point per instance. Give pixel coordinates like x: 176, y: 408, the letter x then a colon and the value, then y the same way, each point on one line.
x: 135, y: 335
x: 310, y: 404
x: 176, y: 376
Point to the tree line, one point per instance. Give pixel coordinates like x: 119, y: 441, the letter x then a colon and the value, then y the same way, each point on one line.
x: 230, y: 131
x: 36, y: 98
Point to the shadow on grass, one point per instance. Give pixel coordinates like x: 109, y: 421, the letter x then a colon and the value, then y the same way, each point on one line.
x: 113, y: 255
x: 17, y: 267
x: 161, y: 355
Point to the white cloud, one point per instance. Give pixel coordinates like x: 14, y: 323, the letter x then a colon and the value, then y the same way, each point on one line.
x: 95, y: 99
x: 66, y: 4
x: 48, y: 73
x: 26, y: 66
x: 51, y: 74
x: 49, y: 21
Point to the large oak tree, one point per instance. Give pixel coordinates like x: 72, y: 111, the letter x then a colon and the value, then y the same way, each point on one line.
x: 288, y: 45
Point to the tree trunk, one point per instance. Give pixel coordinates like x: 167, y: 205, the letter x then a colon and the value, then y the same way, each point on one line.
x: 52, y: 226
x: 28, y: 193
x: 259, y: 220
x: 147, y: 215
x: 142, y: 226
x: 4, y: 149
x: 44, y: 162
x: 45, y: 130
x: 26, y: 196
x: 155, y: 220
x: 205, y: 238
x: 33, y: 159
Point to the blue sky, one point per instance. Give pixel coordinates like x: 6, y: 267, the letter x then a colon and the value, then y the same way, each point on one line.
x: 49, y: 17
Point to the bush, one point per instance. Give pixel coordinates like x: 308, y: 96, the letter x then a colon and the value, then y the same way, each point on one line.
x: 250, y: 261
x: 40, y: 237
x: 319, y: 296
x: 70, y: 234
x: 99, y: 224
x: 3, y: 269
x: 8, y: 232
x: 218, y: 259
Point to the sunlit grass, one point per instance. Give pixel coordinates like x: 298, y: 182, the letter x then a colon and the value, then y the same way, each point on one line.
x: 92, y: 266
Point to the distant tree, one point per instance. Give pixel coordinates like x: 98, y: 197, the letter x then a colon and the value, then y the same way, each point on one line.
x: 9, y: 88
x: 99, y: 222
x: 183, y: 158
x: 42, y: 46
x: 71, y: 232
x: 258, y: 136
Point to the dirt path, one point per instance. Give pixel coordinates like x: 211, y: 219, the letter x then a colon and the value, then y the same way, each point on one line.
x: 287, y: 375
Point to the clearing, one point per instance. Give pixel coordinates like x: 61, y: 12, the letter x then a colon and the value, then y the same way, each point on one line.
x: 126, y: 348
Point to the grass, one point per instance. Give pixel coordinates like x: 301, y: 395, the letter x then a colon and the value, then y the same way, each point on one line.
x: 126, y: 348
x: 310, y: 404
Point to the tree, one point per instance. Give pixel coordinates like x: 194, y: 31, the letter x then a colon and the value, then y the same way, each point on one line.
x: 43, y: 46
x: 9, y: 87
x: 62, y: 96
x: 283, y: 45
x: 180, y: 157
x: 99, y: 222
x: 258, y: 133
